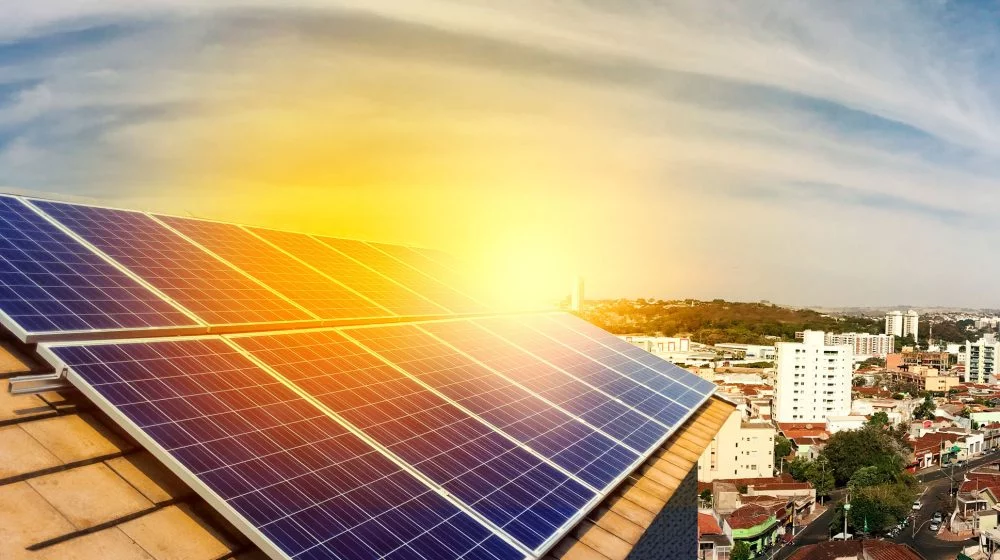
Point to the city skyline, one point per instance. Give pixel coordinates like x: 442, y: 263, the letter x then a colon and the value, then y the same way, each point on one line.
x: 768, y: 151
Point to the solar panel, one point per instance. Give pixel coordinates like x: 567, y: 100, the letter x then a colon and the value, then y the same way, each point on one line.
x: 594, y: 373
x: 531, y: 500
x: 297, y: 482
x: 310, y: 289
x: 624, y: 423
x: 50, y: 283
x: 406, y: 275
x: 679, y: 385
x: 659, y: 365
x: 203, y: 284
x: 374, y: 286
x: 452, y: 278
x: 577, y: 447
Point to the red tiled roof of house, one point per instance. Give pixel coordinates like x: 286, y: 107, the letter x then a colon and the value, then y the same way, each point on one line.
x: 930, y: 442
x: 792, y: 430
x: 749, y: 516
x: 707, y: 525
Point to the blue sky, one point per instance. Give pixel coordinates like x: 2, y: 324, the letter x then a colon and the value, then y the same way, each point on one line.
x: 813, y: 153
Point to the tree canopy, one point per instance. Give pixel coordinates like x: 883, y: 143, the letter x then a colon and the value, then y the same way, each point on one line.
x: 740, y: 551
x: 926, y: 409
x: 872, y: 445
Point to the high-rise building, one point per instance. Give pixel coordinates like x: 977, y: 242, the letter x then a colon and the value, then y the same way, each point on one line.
x: 910, y: 323
x: 899, y: 324
x: 980, y: 359
x: 864, y: 344
x: 813, y: 379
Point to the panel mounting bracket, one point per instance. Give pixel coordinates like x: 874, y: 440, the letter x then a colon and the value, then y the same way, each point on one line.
x: 38, y: 383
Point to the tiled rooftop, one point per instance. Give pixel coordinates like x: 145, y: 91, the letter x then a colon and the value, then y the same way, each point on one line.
x: 74, y: 487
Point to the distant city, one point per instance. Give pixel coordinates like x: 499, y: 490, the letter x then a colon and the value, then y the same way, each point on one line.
x: 910, y: 394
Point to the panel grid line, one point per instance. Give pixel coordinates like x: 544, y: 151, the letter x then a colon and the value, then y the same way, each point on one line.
x: 314, y: 269
x: 383, y: 248
x: 444, y: 397
x: 376, y: 445
x: 233, y: 266
x: 526, y: 389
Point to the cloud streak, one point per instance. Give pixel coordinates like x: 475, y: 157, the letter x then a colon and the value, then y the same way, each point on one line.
x: 639, y: 143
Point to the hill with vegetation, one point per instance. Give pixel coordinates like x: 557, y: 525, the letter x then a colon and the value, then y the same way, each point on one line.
x: 712, y: 322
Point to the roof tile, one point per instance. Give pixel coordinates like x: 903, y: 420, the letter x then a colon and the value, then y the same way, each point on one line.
x: 25, y: 519
x: 90, y: 495
x: 109, y: 543
x: 157, y: 534
x: 149, y: 477
x: 22, y: 454
x: 75, y: 437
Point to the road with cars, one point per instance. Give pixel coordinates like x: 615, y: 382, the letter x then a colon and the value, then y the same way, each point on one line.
x: 936, y: 498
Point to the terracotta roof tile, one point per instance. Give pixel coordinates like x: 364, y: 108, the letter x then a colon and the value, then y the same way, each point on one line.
x: 707, y: 525
x: 157, y: 534
x: 150, y: 477
x: 76, y: 437
x: 108, y: 543
x: 21, y: 454
x: 90, y: 495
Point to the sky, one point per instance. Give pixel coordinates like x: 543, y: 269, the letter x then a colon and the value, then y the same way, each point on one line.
x: 802, y: 152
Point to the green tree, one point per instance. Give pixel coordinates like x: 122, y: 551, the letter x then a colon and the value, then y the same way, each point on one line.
x: 868, y: 476
x: 740, y: 551
x: 799, y: 468
x: 879, y: 419
x: 848, y: 451
x: 859, y: 381
x: 820, y: 475
x: 926, y: 409
x: 966, y: 412
x: 706, y: 496
x: 782, y: 448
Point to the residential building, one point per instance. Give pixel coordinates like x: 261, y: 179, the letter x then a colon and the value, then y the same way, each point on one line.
x: 751, y: 352
x: 898, y: 361
x: 713, y: 542
x: 899, y: 324
x: 813, y: 379
x: 865, y: 345
x: 756, y: 525
x: 980, y: 359
x: 739, y: 450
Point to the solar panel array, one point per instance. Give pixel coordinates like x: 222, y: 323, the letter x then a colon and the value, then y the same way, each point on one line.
x: 342, y: 399
x: 133, y: 272
x: 508, y: 433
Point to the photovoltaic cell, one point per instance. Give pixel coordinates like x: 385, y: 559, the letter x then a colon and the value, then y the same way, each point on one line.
x: 308, y: 485
x: 296, y: 281
x: 524, y: 496
x: 203, y: 284
x: 659, y: 365
x: 405, y: 275
x: 682, y: 387
x: 569, y: 443
x: 383, y: 291
x: 625, y: 424
x: 49, y: 282
x: 596, y: 374
x: 447, y: 276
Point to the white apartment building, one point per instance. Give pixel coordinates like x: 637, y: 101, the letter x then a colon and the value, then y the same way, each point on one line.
x: 813, y: 379
x: 864, y: 344
x: 980, y: 358
x: 739, y: 450
x: 899, y: 324
x: 660, y: 344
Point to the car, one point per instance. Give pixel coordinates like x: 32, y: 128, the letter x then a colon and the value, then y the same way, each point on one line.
x: 937, y: 517
x: 934, y: 526
x: 916, y: 505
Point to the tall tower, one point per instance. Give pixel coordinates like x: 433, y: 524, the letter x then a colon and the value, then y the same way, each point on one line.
x: 910, y: 323
x: 576, y: 295
x: 894, y: 323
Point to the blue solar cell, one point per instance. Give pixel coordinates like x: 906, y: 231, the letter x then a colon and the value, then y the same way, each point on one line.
x: 311, y: 487
x: 310, y: 289
x: 571, y: 444
x: 700, y: 387
x: 661, y: 406
x: 49, y: 282
x: 203, y: 284
x: 625, y: 424
x: 521, y: 494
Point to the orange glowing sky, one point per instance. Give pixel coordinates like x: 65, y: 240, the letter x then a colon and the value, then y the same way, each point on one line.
x: 631, y: 144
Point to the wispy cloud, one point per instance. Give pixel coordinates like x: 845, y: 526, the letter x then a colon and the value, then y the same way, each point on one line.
x: 642, y: 143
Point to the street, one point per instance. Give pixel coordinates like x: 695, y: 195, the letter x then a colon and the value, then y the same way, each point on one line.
x: 935, y: 498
